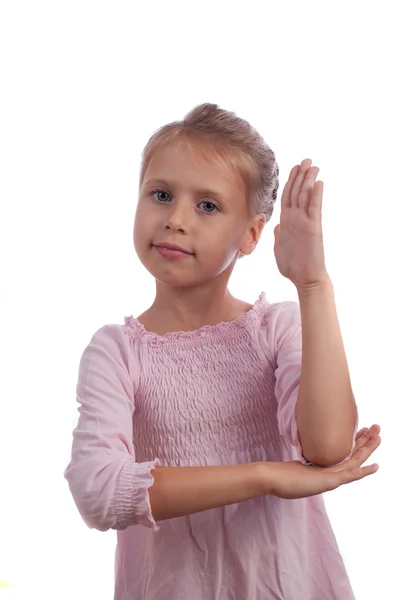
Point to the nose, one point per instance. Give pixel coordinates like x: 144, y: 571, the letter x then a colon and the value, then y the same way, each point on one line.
x: 178, y: 216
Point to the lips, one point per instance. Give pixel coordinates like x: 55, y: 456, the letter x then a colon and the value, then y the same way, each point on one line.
x: 172, y: 254
x: 172, y: 247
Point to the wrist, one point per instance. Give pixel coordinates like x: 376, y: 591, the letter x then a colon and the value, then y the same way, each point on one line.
x: 263, y: 474
x: 320, y: 287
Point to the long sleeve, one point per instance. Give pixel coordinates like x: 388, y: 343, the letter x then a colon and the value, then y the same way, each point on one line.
x: 281, y: 339
x: 109, y: 487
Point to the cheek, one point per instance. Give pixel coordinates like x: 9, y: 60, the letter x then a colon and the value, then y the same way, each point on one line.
x: 136, y: 235
x: 217, y: 252
x: 141, y: 227
x: 219, y: 242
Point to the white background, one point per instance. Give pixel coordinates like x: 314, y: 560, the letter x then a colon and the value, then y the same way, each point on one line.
x: 83, y: 86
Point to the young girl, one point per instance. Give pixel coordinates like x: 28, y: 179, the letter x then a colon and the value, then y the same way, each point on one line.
x: 209, y: 428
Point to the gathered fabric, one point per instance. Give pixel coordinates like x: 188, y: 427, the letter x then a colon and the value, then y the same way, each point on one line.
x: 223, y: 394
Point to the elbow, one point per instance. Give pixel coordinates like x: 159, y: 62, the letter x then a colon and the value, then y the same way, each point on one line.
x: 92, y: 504
x: 326, y: 451
x: 95, y: 521
x: 323, y: 461
x: 93, y: 513
x: 328, y: 457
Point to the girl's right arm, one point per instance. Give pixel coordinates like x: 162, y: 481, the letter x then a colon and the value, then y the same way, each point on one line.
x: 112, y: 490
x: 180, y: 491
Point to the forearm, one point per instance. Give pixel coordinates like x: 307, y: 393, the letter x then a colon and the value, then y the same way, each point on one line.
x: 325, y: 410
x: 179, y: 491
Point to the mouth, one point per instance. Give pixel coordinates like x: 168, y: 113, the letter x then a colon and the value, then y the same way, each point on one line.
x: 171, y: 251
x: 172, y: 247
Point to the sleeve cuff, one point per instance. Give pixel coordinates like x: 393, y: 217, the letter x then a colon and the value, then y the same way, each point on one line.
x: 297, y: 444
x: 142, y: 507
x: 133, y: 505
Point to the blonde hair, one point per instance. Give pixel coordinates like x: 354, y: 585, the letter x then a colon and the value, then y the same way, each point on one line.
x: 229, y: 141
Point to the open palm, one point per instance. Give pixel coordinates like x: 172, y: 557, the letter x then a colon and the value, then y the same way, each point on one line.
x: 293, y: 479
x: 298, y: 247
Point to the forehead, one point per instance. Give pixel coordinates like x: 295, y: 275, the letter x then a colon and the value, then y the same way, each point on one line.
x: 186, y: 166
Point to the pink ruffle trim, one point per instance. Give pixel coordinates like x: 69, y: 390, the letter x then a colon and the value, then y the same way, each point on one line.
x: 142, y: 481
x: 134, y: 327
x: 297, y: 444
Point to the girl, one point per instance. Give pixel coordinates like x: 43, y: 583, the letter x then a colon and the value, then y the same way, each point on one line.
x: 209, y: 427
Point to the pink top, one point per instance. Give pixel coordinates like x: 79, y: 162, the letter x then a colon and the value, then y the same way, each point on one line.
x: 220, y: 395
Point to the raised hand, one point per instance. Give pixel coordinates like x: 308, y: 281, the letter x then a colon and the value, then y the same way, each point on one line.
x: 298, y: 246
x: 293, y: 479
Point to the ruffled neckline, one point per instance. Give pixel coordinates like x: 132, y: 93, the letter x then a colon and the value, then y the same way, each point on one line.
x: 134, y: 325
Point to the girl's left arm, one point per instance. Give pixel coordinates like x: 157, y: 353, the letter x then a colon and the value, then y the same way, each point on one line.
x: 326, y: 411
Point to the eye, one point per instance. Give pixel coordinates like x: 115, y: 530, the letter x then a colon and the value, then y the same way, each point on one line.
x: 159, y: 192
x: 208, y: 202
x: 212, y: 204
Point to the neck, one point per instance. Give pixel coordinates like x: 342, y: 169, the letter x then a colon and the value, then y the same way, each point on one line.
x: 190, y: 309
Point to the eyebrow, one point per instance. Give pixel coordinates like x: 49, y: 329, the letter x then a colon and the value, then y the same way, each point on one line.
x: 218, y: 195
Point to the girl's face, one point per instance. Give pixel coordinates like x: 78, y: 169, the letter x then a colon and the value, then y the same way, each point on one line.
x: 186, y: 200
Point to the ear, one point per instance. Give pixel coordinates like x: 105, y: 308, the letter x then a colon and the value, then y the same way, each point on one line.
x: 253, y: 233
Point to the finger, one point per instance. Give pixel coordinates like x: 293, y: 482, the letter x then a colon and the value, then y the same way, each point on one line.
x: 364, y: 435
x: 296, y: 188
x: 360, y: 433
x: 356, y: 474
x: 362, y: 440
x: 376, y: 429
x: 316, y: 201
x: 286, y: 195
x: 337, y: 478
x: 306, y: 192
x: 364, y: 448
x: 363, y: 453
